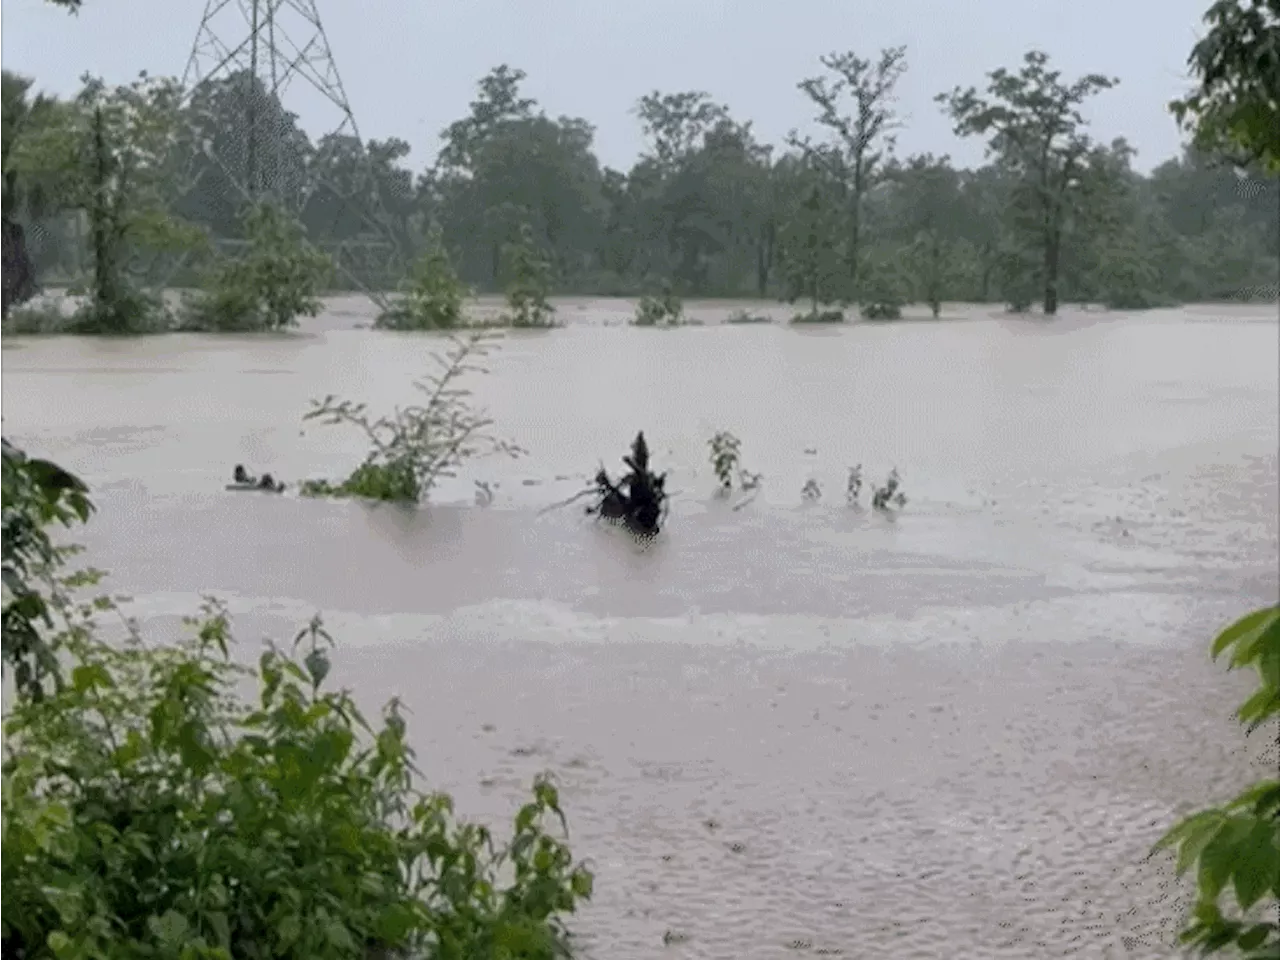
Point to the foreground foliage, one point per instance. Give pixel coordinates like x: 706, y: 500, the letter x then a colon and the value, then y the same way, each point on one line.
x: 36, y: 494
x: 414, y: 446
x: 1235, y: 111
x: 1237, y: 846
x: 150, y: 810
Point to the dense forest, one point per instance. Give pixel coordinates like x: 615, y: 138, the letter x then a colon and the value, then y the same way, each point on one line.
x: 708, y: 210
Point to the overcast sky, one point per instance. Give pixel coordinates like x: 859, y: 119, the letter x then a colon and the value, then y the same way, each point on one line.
x: 410, y: 66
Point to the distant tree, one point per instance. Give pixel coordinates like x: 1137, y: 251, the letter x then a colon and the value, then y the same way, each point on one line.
x: 1033, y: 123
x: 861, y: 135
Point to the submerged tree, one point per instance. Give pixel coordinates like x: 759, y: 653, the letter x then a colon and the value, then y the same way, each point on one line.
x: 28, y: 193
x: 860, y: 136
x: 638, y: 498
x: 432, y: 293
x: 1033, y: 124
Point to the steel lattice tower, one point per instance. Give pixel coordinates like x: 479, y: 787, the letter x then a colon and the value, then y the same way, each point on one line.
x: 279, y: 42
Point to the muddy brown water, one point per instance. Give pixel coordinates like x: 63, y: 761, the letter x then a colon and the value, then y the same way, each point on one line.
x: 784, y: 731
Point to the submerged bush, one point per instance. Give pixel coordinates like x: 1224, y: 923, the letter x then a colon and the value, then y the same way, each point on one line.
x: 819, y: 316
x: 889, y: 495
x: 40, y: 316
x: 276, y: 279
x: 414, y: 446
x: 881, y: 310
x: 662, y: 311
x: 745, y: 316
x: 530, y: 284
x: 433, y: 294
x: 726, y: 461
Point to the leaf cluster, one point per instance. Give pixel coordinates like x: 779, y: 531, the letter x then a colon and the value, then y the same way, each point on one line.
x: 1237, y: 846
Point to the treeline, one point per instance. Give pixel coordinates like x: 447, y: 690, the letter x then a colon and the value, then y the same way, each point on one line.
x: 707, y: 210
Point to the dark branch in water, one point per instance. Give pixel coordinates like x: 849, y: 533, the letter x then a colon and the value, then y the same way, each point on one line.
x: 638, y: 499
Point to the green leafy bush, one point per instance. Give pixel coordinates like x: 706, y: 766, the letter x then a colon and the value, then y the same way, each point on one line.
x: 662, y: 311
x: 149, y: 810
x: 433, y: 295
x: 276, y: 279
x: 530, y: 283
x: 1237, y: 845
x: 414, y: 446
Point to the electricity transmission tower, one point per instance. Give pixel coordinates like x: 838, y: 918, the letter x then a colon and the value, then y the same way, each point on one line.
x: 265, y: 47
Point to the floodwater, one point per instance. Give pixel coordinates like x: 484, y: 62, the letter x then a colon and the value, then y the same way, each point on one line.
x: 792, y: 729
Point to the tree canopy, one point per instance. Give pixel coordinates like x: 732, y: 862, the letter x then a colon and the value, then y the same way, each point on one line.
x: 708, y: 209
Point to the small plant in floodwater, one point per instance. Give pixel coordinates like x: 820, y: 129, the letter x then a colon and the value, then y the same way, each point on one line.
x: 889, y: 494
x: 726, y: 461
x: 853, y: 488
x: 811, y: 491
x: 725, y: 458
x: 415, y: 446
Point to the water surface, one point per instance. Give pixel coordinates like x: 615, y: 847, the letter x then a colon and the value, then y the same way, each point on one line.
x: 786, y: 729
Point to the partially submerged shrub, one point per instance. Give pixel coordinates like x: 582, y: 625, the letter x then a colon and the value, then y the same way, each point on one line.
x: 819, y: 316
x: 725, y: 458
x: 1018, y: 304
x: 433, y: 294
x: 276, y: 279
x: 39, y: 316
x: 662, y: 311
x: 853, y: 487
x: 745, y: 316
x: 811, y: 491
x: 889, y: 494
x: 1131, y: 298
x: 530, y: 283
x: 726, y: 461
x: 414, y: 446
x: 881, y: 310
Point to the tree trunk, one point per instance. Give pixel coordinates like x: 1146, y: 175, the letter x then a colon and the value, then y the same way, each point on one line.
x: 19, y: 283
x: 1052, y: 261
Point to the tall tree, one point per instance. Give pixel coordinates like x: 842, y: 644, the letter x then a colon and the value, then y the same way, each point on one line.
x: 1033, y: 121
x: 861, y: 131
x: 27, y: 194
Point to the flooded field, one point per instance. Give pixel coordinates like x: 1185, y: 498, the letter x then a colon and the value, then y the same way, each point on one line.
x: 786, y: 731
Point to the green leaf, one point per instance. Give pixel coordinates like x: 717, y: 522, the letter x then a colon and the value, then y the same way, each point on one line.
x: 58, y: 942
x: 1257, y: 865
x: 1248, y: 625
x: 170, y: 929
x: 1219, y: 857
